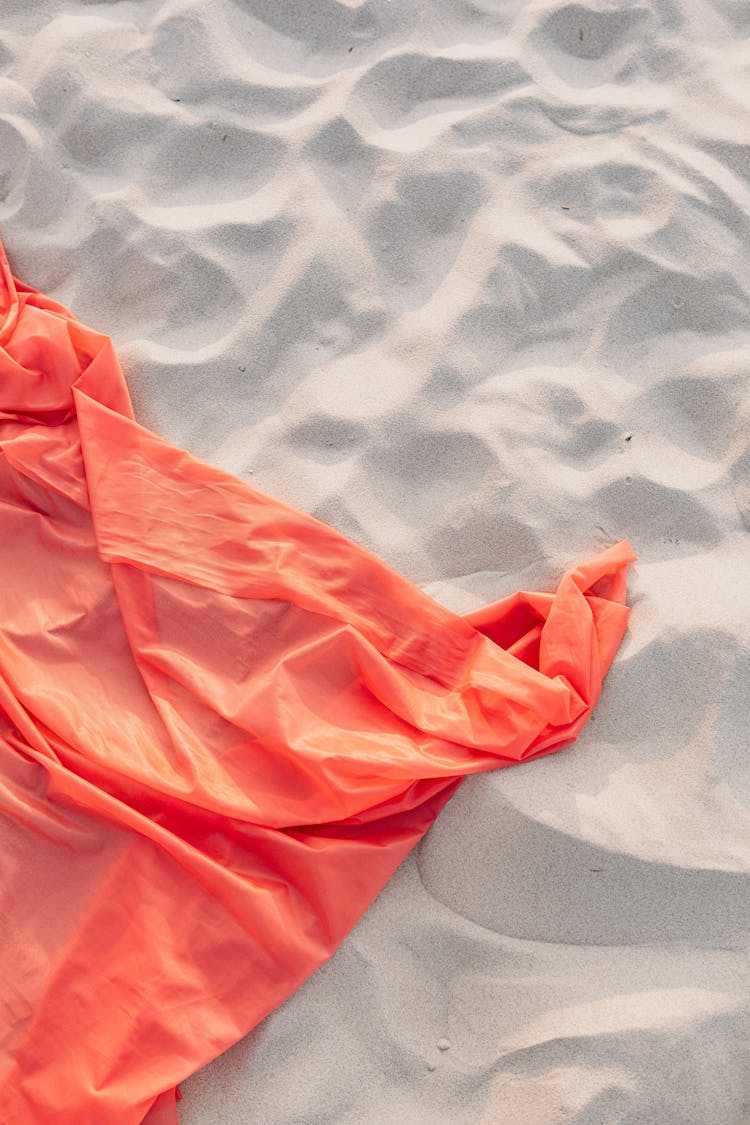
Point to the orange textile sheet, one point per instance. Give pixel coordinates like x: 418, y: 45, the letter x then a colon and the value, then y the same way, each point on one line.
x: 222, y: 727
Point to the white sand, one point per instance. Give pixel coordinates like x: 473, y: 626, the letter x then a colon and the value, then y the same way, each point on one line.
x: 468, y: 280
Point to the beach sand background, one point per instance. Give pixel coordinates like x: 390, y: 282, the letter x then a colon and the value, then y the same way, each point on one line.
x: 469, y: 280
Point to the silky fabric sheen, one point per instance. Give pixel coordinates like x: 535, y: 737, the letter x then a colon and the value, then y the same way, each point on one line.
x: 222, y: 727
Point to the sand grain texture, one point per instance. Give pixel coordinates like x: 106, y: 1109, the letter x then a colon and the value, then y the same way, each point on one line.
x: 470, y: 281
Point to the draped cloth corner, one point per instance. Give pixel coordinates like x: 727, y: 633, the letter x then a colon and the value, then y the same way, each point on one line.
x: 222, y: 727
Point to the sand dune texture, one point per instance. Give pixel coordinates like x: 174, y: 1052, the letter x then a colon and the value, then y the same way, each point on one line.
x: 467, y: 279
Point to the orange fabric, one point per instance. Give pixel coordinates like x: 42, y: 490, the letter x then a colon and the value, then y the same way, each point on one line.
x: 222, y: 727
x: 164, y: 1109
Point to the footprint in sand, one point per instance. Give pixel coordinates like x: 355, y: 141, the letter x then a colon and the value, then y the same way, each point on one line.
x: 14, y: 163
x: 404, y: 88
x: 421, y: 474
x: 415, y: 235
x: 587, y: 47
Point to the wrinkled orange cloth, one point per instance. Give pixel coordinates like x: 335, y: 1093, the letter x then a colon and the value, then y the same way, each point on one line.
x: 222, y: 727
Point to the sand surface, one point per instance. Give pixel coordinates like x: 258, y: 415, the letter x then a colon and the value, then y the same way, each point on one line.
x: 469, y: 280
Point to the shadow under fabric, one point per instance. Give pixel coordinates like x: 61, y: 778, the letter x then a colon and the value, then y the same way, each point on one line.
x: 222, y: 727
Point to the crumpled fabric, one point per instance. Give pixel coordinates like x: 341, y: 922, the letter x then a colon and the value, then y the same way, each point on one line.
x: 222, y: 727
